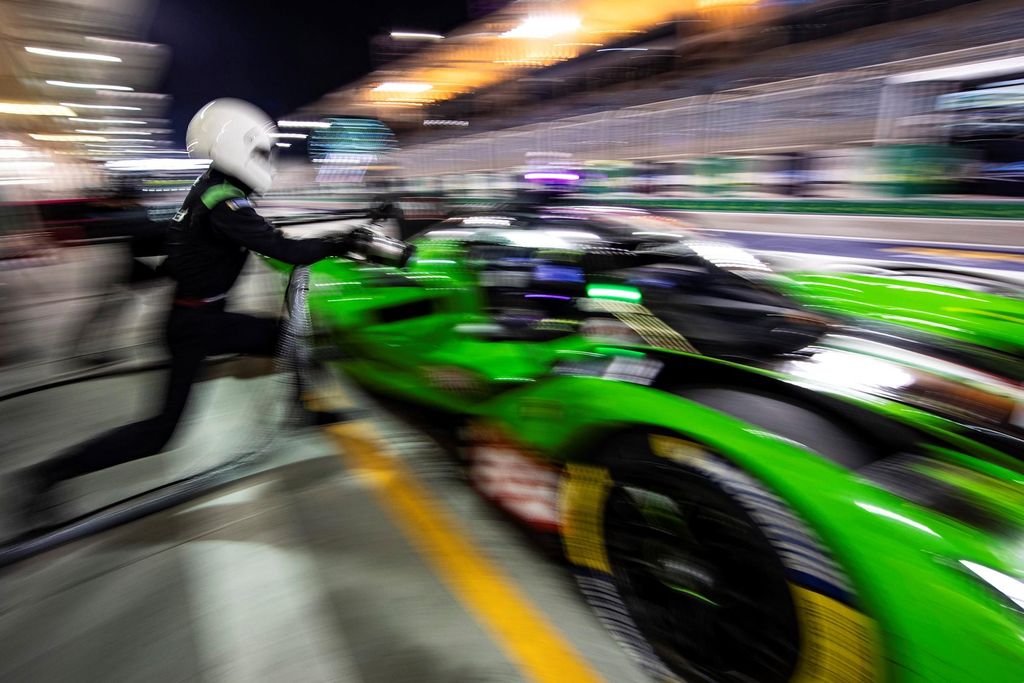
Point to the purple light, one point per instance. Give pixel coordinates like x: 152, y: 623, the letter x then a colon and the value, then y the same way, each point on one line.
x: 548, y: 296
x: 545, y: 175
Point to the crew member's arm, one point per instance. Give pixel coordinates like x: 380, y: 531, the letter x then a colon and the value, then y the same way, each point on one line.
x: 239, y: 222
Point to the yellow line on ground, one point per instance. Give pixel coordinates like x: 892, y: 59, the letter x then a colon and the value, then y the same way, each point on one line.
x: 539, y: 650
x: 958, y: 253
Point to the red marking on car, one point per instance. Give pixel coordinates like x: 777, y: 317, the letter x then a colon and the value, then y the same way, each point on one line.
x: 516, y: 482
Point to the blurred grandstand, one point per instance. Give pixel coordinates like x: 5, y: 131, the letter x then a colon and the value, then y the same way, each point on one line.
x: 718, y: 96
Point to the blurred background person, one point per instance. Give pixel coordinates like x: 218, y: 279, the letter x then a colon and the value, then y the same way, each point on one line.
x: 122, y: 219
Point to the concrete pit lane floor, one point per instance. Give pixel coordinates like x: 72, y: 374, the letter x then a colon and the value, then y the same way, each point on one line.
x: 357, y: 553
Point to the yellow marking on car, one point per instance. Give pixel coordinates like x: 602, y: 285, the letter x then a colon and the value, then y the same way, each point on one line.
x: 683, y: 452
x: 583, y: 495
x: 518, y: 627
x: 839, y: 643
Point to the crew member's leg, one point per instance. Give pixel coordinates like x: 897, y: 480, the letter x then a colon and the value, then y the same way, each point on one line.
x: 187, y: 334
x: 191, y: 336
x: 241, y: 333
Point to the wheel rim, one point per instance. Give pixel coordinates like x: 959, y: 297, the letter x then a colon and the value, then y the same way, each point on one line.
x: 700, y: 580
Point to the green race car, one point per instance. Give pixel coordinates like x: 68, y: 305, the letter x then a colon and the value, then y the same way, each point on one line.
x: 753, y: 481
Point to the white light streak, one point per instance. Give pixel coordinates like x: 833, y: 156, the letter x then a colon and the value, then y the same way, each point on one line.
x: 415, y: 35
x: 60, y: 137
x: 402, y: 86
x: 70, y: 54
x: 112, y: 131
x: 882, y: 512
x: 132, y: 122
x: 30, y: 109
x: 1011, y: 587
x: 544, y: 26
x: 110, y: 107
x: 90, y: 86
x: 303, y: 124
x: 157, y: 164
x: 123, y: 43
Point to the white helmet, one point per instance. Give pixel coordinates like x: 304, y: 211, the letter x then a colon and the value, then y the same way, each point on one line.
x: 236, y: 137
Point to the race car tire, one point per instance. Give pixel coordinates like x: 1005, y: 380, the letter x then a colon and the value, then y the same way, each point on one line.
x: 702, y: 573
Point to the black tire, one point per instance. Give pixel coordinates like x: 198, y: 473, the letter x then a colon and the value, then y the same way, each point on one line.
x: 704, y: 574
x: 699, y: 578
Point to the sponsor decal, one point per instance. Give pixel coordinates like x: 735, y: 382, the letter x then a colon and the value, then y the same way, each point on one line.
x: 452, y: 378
x: 621, y: 368
x: 510, y: 477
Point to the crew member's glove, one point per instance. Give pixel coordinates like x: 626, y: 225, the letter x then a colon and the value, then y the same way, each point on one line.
x: 372, y: 246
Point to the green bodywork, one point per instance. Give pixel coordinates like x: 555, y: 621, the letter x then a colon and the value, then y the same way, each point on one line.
x: 415, y: 336
x: 978, y: 318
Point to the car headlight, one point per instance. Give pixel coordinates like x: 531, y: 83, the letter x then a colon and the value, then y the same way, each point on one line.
x: 1008, y: 586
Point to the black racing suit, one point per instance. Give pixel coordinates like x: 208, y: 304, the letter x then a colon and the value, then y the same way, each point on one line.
x: 209, y: 242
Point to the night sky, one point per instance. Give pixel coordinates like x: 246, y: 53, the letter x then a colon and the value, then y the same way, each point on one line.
x: 278, y: 55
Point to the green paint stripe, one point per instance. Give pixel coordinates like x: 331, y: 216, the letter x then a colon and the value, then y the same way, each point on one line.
x: 218, y: 193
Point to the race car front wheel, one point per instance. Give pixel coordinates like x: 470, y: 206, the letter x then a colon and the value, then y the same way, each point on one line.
x: 697, y: 569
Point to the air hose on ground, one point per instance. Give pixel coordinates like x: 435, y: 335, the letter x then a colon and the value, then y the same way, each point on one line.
x: 291, y: 354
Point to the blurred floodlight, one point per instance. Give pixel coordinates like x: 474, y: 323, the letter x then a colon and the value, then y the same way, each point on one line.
x: 550, y: 175
x: 962, y: 72
x: 169, y: 164
x: 123, y: 43
x: 400, y: 86
x: 110, y: 107
x: 24, y: 166
x: 303, y: 124
x: 132, y: 141
x: 415, y: 35
x: 10, y: 143
x: 133, y: 149
x: 133, y: 122
x: 29, y: 109
x: 544, y: 26
x: 290, y: 136
x: 283, y: 145
x: 90, y: 86
x: 111, y: 131
x: 70, y: 54
x: 63, y: 137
